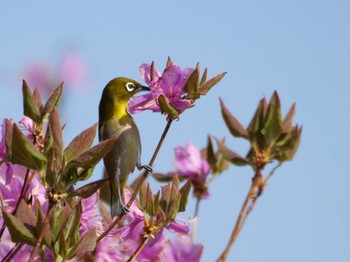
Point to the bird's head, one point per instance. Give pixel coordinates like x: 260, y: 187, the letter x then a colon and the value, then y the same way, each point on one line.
x: 115, y: 97
x: 122, y: 89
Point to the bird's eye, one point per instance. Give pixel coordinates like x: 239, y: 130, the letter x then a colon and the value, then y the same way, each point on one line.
x: 130, y: 86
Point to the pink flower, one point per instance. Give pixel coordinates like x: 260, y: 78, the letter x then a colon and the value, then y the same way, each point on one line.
x: 182, y: 249
x: 12, y: 177
x: 90, y: 214
x: 170, y: 84
x: 72, y: 71
x: 38, y: 74
x: 190, y: 164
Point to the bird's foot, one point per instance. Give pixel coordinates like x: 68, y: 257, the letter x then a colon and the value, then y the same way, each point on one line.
x: 147, y: 168
x: 125, y: 209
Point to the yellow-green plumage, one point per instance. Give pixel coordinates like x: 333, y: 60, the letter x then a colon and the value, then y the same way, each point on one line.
x: 115, y: 122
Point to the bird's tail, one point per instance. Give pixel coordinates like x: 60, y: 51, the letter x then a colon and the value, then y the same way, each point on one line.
x: 117, y: 207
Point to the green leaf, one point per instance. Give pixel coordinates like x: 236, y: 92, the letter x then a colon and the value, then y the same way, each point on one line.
x: 85, y: 174
x: 8, y: 138
x: 80, y: 143
x: 162, y: 177
x: 26, y: 216
x: 174, y: 200
x: 87, y: 190
x: 234, y: 126
x: 256, y: 124
x: 156, y: 209
x: 287, y: 121
x: 191, y: 85
x: 204, y: 77
x: 295, y: 142
x: 273, y: 121
x: 30, y: 106
x: 73, y: 223
x: 230, y: 155
x: 211, y: 158
x: 91, y: 157
x: 149, y: 201
x: 286, y: 148
x: 18, y: 232
x: 59, y: 219
x: 53, y: 100
x: 184, y: 192
x: 203, y: 89
x: 165, y: 197
x: 24, y: 152
x: 143, y: 196
x: 37, y: 98
x: 166, y: 108
x: 56, y: 131
x: 40, y: 223
x: 86, y: 243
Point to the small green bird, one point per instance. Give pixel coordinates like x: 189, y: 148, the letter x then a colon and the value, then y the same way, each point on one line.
x: 116, y: 122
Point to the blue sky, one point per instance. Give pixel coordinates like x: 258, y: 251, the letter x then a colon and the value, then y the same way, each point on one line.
x: 299, y: 48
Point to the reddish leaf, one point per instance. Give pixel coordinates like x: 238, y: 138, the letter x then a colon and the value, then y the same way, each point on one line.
x: 234, y: 126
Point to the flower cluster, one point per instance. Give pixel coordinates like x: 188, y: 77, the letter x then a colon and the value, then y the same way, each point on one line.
x: 46, y: 218
x: 72, y: 70
x: 170, y: 85
x: 11, y: 184
x: 173, y: 91
x: 118, y: 245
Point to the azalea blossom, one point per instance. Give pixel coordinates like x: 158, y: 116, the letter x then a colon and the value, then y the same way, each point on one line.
x: 189, y: 163
x: 181, y: 248
x: 170, y: 84
x: 72, y: 70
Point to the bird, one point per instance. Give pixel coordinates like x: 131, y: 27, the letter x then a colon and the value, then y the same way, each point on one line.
x: 115, y: 122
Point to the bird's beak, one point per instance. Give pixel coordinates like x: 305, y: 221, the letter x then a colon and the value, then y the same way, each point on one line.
x: 145, y: 88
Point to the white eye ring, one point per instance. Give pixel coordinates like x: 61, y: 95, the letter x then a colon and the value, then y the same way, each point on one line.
x: 130, y: 86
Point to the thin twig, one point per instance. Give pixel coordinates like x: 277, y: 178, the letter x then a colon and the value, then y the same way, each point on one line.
x: 248, y: 211
x: 234, y: 234
x: 253, y: 193
x: 138, y: 250
x: 272, y: 172
x: 142, y: 179
x: 12, y: 252
x: 42, y: 232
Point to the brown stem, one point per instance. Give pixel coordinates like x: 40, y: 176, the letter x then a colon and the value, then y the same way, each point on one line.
x: 138, y: 250
x: 42, y: 233
x: 253, y: 193
x: 142, y: 179
x: 249, y: 209
x: 12, y: 252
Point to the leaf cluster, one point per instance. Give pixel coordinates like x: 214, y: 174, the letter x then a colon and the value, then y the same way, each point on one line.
x: 61, y: 233
x: 59, y: 169
x: 162, y: 208
x: 270, y: 136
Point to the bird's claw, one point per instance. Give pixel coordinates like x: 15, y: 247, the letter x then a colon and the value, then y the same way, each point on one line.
x: 145, y: 167
x: 125, y: 209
